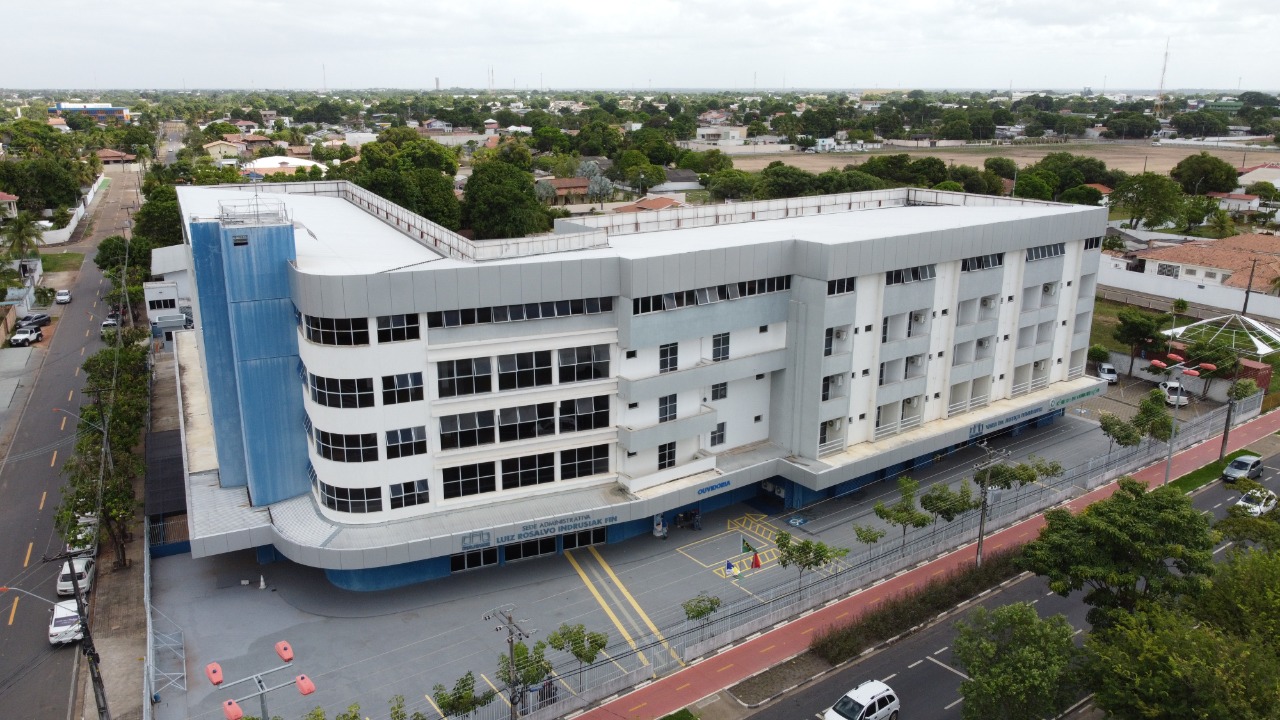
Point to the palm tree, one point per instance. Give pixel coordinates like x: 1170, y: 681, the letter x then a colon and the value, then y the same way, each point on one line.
x: 22, y: 236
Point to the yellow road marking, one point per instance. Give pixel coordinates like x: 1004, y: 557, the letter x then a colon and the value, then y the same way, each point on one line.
x: 495, y: 689
x: 53, y: 459
x: 683, y: 686
x: 843, y: 614
x: 607, y: 610
x: 806, y: 632
x: 63, y: 426
x: 75, y: 374
x: 27, y: 560
x: 69, y: 393
x: 13, y: 610
x: 609, y: 657
x: 43, y: 495
x: 726, y: 667
x: 82, y: 349
x: 434, y: 705
x: 637, y: 707
x: 768, y: 648
x: 86, y: 334
x: 618, y: 584
x: 556, y: 675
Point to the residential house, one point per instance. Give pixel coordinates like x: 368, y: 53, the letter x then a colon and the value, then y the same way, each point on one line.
x: 224, y: 149
x: 300, y: 151
x: 1270, y: 172
x: 650, y: 204
x: 519, y: 129
x: 490, y: 126
x: 114, y: 157
x: 8, y: 205
x: 720, y: 134
x: 245, y: 126
x: 251, y: 142
x: 1227, y: 262
x: 678, y: 180
x: 569, y: 190
x: 59, y: 124
x: 1235, y: 202
x: 1106, y: 191
x: 713, y: 117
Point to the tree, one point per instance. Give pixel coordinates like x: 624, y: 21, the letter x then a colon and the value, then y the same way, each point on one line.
x: 868, y: 535
x: 159, y: 220
x: 1136, y: 330
x: 1020, y: 667
x: 949, y: 186
x: 1222, y: 224
x: 1242, y: 599
x: 1204, y: 173
x: 524, y: 668
x: 499, y: 202
x: 23, y: 236
x: 805, y: 555
x: 731, y: 184
x: 1118, y: 430
x: 1151, y: 199
x: 1081, y: 195
x: 1002, y: 166
x: 1264, y: 190
x: 701, y: 606
x: 1032, y: 186
x: 599, y: 189
x: 1153, y: 419
x: 462, y: 700
x: 1098, y: 354
x: 1132, y: 548
x: 1217, y: 352
x: 784, y: 181
x: 1006, y: 477
x: 903, y: 513
x: 583, y: 645
x: 941, y: 501
x: 1242, y: 389
x: 545, y: 191
x: 956, y: 130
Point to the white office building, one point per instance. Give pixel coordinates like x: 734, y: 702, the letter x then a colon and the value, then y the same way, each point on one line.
x: 371, y: 394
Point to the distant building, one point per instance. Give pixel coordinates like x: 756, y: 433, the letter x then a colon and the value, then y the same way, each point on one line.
x: 115, y: 157
x: 1235, y: 202
x: 8, y: 205
x: 98, y: 111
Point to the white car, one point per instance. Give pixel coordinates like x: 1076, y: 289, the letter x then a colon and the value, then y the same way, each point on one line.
x: 62, y: 297
x: 22, y: 337
x: 84, y: 575
x: 64, y: 623
x: 872, y: 700
x: 1258, y: 501
x: 1174, y: 393
x: 1107, y: 372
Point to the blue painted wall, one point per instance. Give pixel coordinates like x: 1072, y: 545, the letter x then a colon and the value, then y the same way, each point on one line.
x: 393, y: 576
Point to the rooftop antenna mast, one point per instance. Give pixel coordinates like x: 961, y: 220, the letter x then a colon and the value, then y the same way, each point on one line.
x: 1159, y: 106
x: 324, y: 79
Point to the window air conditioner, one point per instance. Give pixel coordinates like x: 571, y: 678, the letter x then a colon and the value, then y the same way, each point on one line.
x: 842, y: 334
x: 917, y: 318
x: 840, y: 381
x: 912, y: 401
x: 1050, y: 288
x: 984, y: 342
x: 988, y: 302
x: 916, y: 360
x: 1038, y: 365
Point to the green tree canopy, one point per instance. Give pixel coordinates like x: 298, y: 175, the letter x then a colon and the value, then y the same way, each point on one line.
x: 805, y: 554
x: 1081, y: 195
x: 499, y: 202
x: 1150, y: 198
x: 1204, y: 173
x: 1135, y: 330
x: 904, y: 512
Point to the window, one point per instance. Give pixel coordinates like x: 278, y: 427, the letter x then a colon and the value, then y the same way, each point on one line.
x: 1210, y: 275
x: 1167, y: 270
x: 840, y: 287
x: 347, y: 448
x: 466, y: 430
x: 666, y: 408
x: 720, y: 391
x: 584, y: 462
x: 517, y: 313
x: 162, y: 304
x: 408, y: 494
x: 524, y: 370
x: 884, y: 330
x: 351, y: 500
x: 529, y: 470
x: 406, y: 441
x: 1189, y: 271
x: 719, y: 347
x: 1092, y: 243
x: 1045, y: 251
x: 717, y: 435
x: 909, y: 275
x: 764, y: 328
x: 982, y: 262
x: 829, y: 342
x: 526, y: 421
x: 707, y: 295
x: 589, y: 362
x: 590, y: 413
x: 464, y: 377
x: 336, y: 331
x: 668, y: 357
x: 829, y: 385
x: 466, y: 480
x: 472, y: 560
x: 530, y: 548
x: 342, y: 392
x: 402, y: 388
x: 666, y: 455
x: 631, y: 354
x: 397, y: 328
x: 583, y: 538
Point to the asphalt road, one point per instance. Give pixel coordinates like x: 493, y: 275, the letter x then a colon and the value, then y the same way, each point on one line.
x: 35, y: 679
x: 921, y: 668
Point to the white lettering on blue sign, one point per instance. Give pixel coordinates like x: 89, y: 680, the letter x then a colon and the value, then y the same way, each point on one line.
x: 712, y: 488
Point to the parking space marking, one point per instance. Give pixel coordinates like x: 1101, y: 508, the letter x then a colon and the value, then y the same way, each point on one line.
x: 942, y: 649
x: 887, y: 679
x: 496, y: 690
x: 954, y: 703
x: 914, y: 664
x: 640, y: 611
x: 941, y: 664
x: 607, y: 610
x: 434, y: 705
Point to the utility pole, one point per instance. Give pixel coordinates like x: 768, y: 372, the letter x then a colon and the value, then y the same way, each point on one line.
x: 86, y: 645
x: 505, y: 616
x: 1247, y: 288
x: 994, y: 457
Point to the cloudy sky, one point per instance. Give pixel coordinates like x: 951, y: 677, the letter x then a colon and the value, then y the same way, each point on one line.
x: 983, y: 44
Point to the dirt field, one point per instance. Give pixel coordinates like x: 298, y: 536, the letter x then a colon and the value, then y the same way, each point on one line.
x: 1128, y: 157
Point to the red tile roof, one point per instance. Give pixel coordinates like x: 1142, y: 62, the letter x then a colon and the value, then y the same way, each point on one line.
x: 573, y: 183
x: 6, y: 197
x: 1232, y: 196
x: 1235, y: 255
x: 649, y: 204
x: 1099, y: 187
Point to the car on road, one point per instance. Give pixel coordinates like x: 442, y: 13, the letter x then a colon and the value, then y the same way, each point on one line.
x: 1245, y: 466
x: 62, y: 297
x: 1174, y: 393
x: 33, y: 320
x: 64, y: 623
x: 1107, y: 372
x: 84, y: 575
x: 1258, y: 501
x: 109, y: 324
x: 23, y: 337
x: 872, y: 700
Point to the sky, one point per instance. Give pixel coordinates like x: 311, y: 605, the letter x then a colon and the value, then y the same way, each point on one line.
x: 660, y: 44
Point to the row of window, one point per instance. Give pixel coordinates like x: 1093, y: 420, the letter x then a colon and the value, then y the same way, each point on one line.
x: 840, y: 286
x: 480, y: 478
x: 473, y: 376
x: 355, y: 331
x: 1092, y: 243
x: 162, y: 304
x: 358, y: 392
x: 473, y: 559
x: 518, y: 313
x: 1046, y: 251
x: 708, y: 295
x: 521, y: 423
x: 910, y: 275
x: 363, y: 447
x: 982, y: 262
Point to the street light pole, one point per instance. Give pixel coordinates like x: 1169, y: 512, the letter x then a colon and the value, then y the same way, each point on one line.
x: 1182, y: 369
x: 231, y: 708
x: 994, y: 457
x: 86, y: 645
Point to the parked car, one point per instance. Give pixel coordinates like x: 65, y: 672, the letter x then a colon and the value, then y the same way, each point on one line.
x: 33, y: 320
x: 84, y: 538
x: 84, y: 575
x: 62, y: 297
x: 1174, y: 393
x: 64, y: 623
x: 25, y: 336
x: 872, y: 700
x: 1245, y: 466
x: 1258, y: 501
x: 1107, y: 372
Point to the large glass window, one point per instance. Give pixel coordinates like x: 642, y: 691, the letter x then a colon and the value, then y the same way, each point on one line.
x: 717, y: 435
x: 467, y: 480
x: 530, y: 548
x: 406, y: 441
x: 918, y: 273
x: 464, y: 377
x: 829, y: 342
x: 720, y: 391
x: 528, y: 470
x: 466, y: 430
x: 668, y: 357
x: 336, y: 331
x: 350, y: 500
x: 526, y: 421
x: 666, y: 455
x: 473, y: 559
x: 517, y: 313
x: 402, y: 388
x: 1046, y: 251
x: 397, y: 328
x: 583, y: 538
x: 588, y: 413
x: 408, y: 494
x: 666, y: 408
x: 342, y: 392
x: 584, y: 462
x: 840, y: 286
x: 720, y: 347
x: 347, y: 448
x: 589, y: 362
x: 524, y: 370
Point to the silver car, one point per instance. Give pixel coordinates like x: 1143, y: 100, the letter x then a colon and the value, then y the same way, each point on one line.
x: 1245, y: 466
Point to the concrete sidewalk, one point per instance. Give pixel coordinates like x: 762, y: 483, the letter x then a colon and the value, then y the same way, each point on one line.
x: 701, y: 685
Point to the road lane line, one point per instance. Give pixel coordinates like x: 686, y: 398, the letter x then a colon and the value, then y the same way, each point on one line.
x: 726, y: 667
x: 1215, y: 507
x: 640, y: 611
x: 607, y: 610
x: 941, y: 649
x: 638, y: 707
x: 914, y: 664
x: 63, y: 426
x: 75, y: 374
x: 941, y: 664
x: 763, y: 651
x: 69, y: 394
x: 887, y: 679
x: 43, y: 495
x: 806, y: 632
x: 86, y: 334
x: 53, y: 459
x: 82, y: 349
x: 957, y: 702
x: 27, y: 560
x: 683, y: 687
x: 13, y: 610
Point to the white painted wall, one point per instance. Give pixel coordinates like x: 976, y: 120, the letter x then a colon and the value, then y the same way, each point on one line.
x: 1228, y: 298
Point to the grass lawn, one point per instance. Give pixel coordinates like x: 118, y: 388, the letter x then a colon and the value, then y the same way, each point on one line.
x: 684, y: 714
x: 1106, y: 318
x: 697, y: 197
x: 62, y: 262
x: 1206, y: 474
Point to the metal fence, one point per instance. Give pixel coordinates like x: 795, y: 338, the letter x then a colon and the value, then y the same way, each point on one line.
x: 680, y: 640
x: 166, y: 663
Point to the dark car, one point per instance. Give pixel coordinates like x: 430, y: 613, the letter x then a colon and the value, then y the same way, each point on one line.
x: 33, y: 320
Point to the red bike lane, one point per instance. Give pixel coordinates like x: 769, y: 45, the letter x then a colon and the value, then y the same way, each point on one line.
x: 733, y: 665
